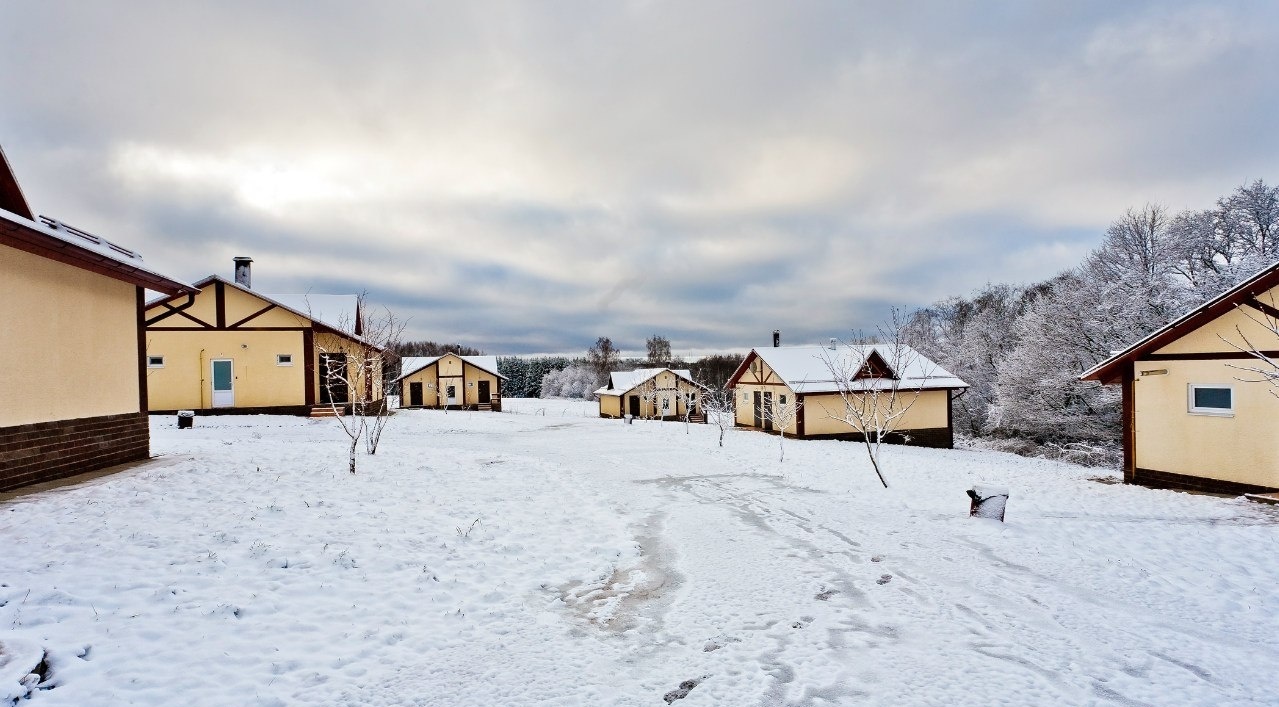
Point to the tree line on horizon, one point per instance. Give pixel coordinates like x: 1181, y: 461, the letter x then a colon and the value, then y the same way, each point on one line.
x: 1022, y: 348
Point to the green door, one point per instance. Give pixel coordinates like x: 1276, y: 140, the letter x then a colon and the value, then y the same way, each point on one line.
x: 223, y: 383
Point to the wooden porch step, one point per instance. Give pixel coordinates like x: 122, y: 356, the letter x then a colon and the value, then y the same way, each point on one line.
x: 484, y: 406
x: 699, y: 419
x: 324, y: 411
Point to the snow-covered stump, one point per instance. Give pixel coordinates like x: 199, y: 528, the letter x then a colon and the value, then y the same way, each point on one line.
x: 988, y: 501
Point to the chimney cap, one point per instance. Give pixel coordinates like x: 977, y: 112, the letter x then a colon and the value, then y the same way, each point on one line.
x: 242, y: 259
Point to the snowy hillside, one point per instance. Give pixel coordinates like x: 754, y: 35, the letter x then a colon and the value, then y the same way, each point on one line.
x: 543, y: 556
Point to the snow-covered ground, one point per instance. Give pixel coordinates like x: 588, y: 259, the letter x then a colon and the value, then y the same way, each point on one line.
x: 543, y: 556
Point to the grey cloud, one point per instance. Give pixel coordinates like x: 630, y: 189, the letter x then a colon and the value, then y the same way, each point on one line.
x: 526, y: 177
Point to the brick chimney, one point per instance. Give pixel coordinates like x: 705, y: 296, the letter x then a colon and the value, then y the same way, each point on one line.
x: 242, y: 274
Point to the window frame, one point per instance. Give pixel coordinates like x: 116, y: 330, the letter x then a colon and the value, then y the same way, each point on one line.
x: 279, y: 359
x: 1192, y: 409
x: 150, y: 364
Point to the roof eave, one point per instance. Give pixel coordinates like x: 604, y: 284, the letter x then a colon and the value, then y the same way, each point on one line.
x: 20, y: 236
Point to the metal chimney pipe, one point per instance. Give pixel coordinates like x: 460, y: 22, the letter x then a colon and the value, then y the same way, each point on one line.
x: 242, y: 270
x: 777, y: 338
x: 833, y: 342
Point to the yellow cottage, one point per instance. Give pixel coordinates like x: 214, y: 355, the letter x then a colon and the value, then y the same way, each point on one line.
x: 797, y: 386
x: 451, y: 381
x: 73, y: 390
x: 661, y: 393
x: 1194, y: 416
x: 231, y: 349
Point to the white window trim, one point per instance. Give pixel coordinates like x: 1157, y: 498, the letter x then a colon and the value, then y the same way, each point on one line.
x: 1214, y: 412
x: 155, y: 365
x: 280, y: 362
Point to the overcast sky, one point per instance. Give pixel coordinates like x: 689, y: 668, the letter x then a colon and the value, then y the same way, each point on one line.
x: 528, y: 176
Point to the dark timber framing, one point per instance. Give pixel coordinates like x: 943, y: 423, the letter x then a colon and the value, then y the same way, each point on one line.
x: 218, y: 288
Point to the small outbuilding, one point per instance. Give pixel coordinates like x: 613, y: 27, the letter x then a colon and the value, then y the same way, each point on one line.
x: 1194, y: 416
x: 661, y: 393
x: 809, y: 381
x: 451, y: 381
x: 73, y: 388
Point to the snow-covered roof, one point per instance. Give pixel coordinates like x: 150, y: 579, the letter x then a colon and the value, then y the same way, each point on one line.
x: 95, y: 251
x: 336, y: 311
x: 621, y: 381
x: 412, y: 364
x: 814, y: 369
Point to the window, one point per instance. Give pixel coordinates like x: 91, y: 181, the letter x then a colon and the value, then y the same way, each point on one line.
x: 155, y: 362
x: 1212, y: 400
x: 284, y: 359
x: 781, y: 400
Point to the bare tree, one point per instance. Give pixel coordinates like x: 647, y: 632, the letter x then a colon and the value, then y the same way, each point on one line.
x: 351, y: 368
x: 874, y: 393
x: 603, y: 358
x: 718, y: 404
x: 783, y: 413
x: 659, y: 350
x: 382, y: 334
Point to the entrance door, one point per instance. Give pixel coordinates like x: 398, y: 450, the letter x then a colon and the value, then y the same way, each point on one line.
x: 332, y: 375
x: 415, y: 395
x: 634, y: 403
x: 450, y: 394
x: 223, y: 382
x: 759, y: 410
x: 485, y: 396
x: 768, y: 411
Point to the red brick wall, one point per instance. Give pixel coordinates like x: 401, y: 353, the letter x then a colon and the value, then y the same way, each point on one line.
x: 45, y: 451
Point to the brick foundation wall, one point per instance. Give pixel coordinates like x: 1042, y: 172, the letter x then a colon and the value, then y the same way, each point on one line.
x: 1181, y: 482
x: 46, y: 451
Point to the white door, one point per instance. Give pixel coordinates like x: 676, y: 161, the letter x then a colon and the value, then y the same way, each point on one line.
x: 450, y: 394
x: 223, y: 380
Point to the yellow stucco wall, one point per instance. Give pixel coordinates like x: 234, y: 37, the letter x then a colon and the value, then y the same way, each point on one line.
x: 744, y: 399
x: 451, y: 370
x: 184, y: 382
x: 823, y: 413
x: 1240, y: 448
x: 1208, y: 338
x: 73, y: 336
x: 611, y: 405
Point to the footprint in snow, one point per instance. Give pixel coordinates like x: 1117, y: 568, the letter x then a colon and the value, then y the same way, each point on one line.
x: 884, y: 579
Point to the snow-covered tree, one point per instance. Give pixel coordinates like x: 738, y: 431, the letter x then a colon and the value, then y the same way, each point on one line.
x: 720, y: 410
x: 577, y: 382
